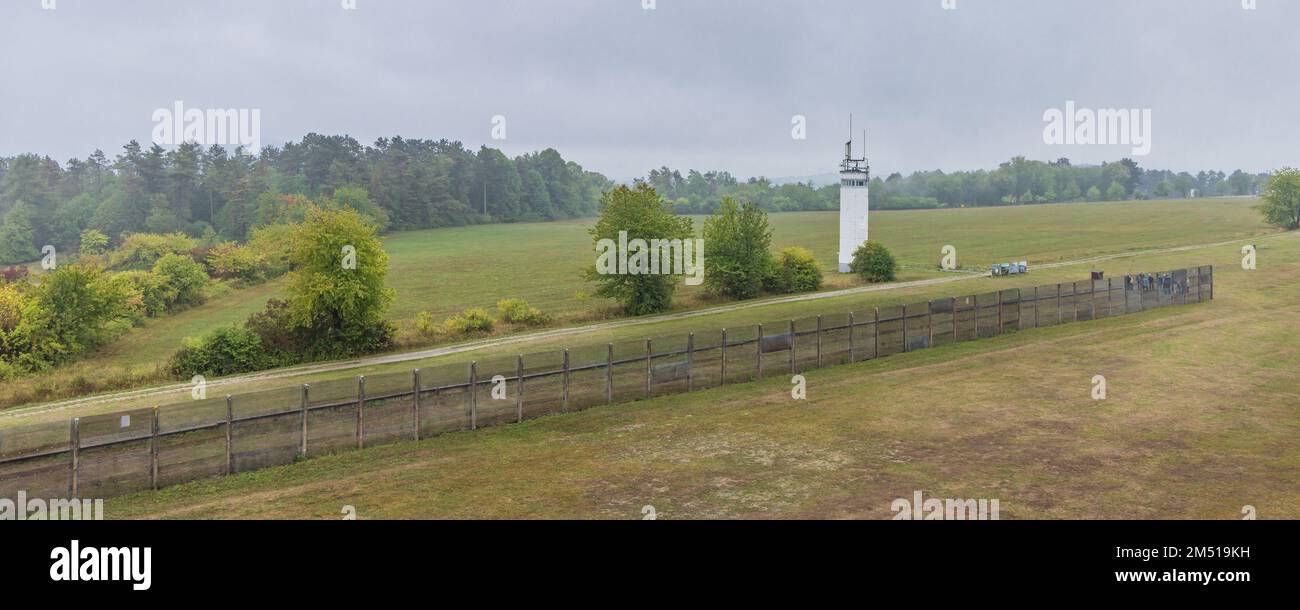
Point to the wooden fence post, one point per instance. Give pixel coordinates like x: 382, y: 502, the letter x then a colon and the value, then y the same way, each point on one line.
x: 905, y: 328
x: 519, y: 389
x: 153, y: 449
x: 361, y: 412
x: 690, y: 362
x: 1058, y: 303
x: 792, y: 344
x: 852, y: 355
x: 74, y: 465
x: 1020, y: 309
x: 722, y: 379
x: 415, y: 402
x: 1074, y: 302
x: 473, y: 395
x: 954, y: 319
x: 649, y: 363
x: 819, y: 341
x: 1035, y: 307
x: 1211, y: 282
x: 564, y: 404
x: 999, y: 312
x: 230, y: 423
x: 304, y: 401
x: 929, y: 323
x: 875, y: 332
x: 609, y: 373
x: 760, y: 351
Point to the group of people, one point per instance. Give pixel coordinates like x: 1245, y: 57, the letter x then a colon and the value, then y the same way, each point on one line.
x: 1165, y: 282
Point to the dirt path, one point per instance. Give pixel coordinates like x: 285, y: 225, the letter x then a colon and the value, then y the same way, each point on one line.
x: 286, y: 373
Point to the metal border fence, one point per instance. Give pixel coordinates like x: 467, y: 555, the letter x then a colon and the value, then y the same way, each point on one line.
x: 106, y: 455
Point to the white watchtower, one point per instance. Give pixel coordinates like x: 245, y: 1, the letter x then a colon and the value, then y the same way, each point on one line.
x: 854, y: 204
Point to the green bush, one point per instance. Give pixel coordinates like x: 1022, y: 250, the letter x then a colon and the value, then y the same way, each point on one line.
x: 518, y: 311
x: 232, y: 261
x: 146, y: 294
x: 224, y: 351
x: 874, y: 262
x: 143, y: 250
x: 472, y: 320
x: 794, y: 270
x: 425, y: 324
x: 181, y: 279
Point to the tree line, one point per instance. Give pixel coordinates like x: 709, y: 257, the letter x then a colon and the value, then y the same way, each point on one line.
x: 221, y: 194
x: 1017, y: 181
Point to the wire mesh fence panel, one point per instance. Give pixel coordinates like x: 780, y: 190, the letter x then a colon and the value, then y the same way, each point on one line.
x: 587, y: 376
x: 1079, y: 302
x: 1025, y: 310
x: 1150, y: 292
x: 706, y: 360
x: 331, y: 429
x: 835, y: 339
x: 40, y: 477
x: 265, y: 442
x: 1182, y: 285
x: 742, y: 354
x: 34, y: 438
x: 865, y: 336
x: 1069, y: 307
x: 543, y: 384
x: 669, y: 369
x: 629, y: 370
x: 390, y: 408
x: 191, y: 455
x: 941, y: 321
x: 444, y: 410
x: 917, y: 325
x: 1115, y: 296
x: 332, y: 391
x: 1205, y: 283
x: 114, y: 470
x: 586, y: 387
x: 890, y: 330
x: 191, y: 414
x: 267, y: 402
x: 115, y: 427
x: 495, y: 392
x: 1048, y: 312
x: 1099, y: 299
x: 986, y: 323
x: 966, y: 315
x: 389, y: 420
x: 805, y: 345
x: 1010, y: 312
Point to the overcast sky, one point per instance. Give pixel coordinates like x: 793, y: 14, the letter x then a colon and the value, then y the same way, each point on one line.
x: 690, y: 84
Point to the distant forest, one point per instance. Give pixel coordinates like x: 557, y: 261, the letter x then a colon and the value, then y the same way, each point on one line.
x: 1018, y: 181
x: 218, y: 194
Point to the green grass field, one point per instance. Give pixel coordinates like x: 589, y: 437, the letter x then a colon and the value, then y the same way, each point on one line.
x: 447, y: 270
x: 1200, y: 421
